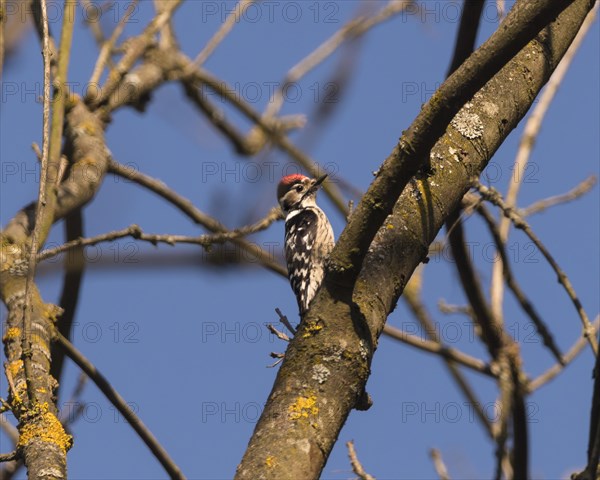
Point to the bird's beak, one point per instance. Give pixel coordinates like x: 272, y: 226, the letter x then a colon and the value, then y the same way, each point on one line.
x: 317, y: 183
x: 314, y: 186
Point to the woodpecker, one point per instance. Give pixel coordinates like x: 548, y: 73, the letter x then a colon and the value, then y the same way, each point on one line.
x: 308, y: 236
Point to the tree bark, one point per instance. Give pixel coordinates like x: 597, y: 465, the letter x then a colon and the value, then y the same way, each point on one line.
x: 327, y: 363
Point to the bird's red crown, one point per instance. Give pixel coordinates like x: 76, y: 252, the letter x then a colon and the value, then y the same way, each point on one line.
x: 286, y: 182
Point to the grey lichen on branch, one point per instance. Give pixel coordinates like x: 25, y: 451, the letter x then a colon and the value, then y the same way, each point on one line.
x: 524, y: 21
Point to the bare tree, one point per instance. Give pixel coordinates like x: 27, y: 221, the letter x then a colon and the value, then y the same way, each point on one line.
x: 430, y: 179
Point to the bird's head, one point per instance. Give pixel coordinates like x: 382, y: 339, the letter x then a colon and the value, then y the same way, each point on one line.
x: 298, y: 191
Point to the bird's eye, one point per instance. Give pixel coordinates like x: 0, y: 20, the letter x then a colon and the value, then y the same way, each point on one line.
x: 299, y: 188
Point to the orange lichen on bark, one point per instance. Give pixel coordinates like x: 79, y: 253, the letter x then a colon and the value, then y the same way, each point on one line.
x: 303, y: 407
x: 42, y: 425
x: 11, y: 334
x: 312, y: 327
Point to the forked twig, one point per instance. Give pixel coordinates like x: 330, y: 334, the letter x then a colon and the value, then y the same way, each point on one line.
x: 438, y: 464
x: 356, y: 465
x: 571, y: 195
x: 495, y: 198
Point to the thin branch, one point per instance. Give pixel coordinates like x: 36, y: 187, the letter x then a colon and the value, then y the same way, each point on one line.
x: 520, y: 445
x: 3, y: 20
x: 61, y: 91
x: 8, y: 457
x: 467, y: 33
x: 167, y: 38
x: 434, y: 347
x: 495, y: 198
x: 277, y: 333
x: 492, y: 332
x: 233, y: 18
x: 186, y: 206
x: 557, y: 368
x: 438, y: 464
x: 514, y: 286
x: 532, y: 128
x: 136, y: 48
x: 578, y: 191
x: 283, y: 319
x: 10, y: 431
x: 136, y: 232
x: 352, y: 30
x: 74, y: 266
x: 504, y: 405
x: 271, y: 127
x: 108, y: 45
x: 38, y: 22
x: 412, y: 152
x: 412, y: 296
x: 96, y: 28
x: 450, y: 309
x: 244, y: 145
x: 38, y: 234
x: 356, y: 465
x: 593, y: 450
x: 121, y: 405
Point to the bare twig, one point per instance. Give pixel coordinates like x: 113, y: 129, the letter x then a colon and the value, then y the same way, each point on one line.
x: 8, y: 457
x: 216, y: 116
x: 412, y: 296
x: 449, y: 309
x: 568, y: 357
x: 530, y: 133
x: 434, y: 347
x: 61, y: 90
x: 356, y: 465
x: 267, y: 126
x: 2, y: 23
x: 136, y: 232
x: 504, y: 404
x: 137, y: 47
x: 184, y: 205
x: 108, y: 45
x: 438, y: 464
x: 494, y: 197
x: 121, y: 405
x: 514, y: 286
x: 38, y: 234
x: 283, y: 319
x: 353, y: 29
x: 38, y: 22
x: 233, y: 17
x: 11, y: 432
x: 278, y: 356
x: 74, y: 266
x: 593, y: 449
x: 93, y: 24
x: 277, y: 333
x: 574, y: 194
x: 492, y: 332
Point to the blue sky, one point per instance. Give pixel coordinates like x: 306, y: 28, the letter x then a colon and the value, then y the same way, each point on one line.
x: 186, y: 344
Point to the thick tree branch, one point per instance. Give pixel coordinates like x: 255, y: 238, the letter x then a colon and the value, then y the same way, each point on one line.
x: 327, y: 362
x: 521, y: 25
